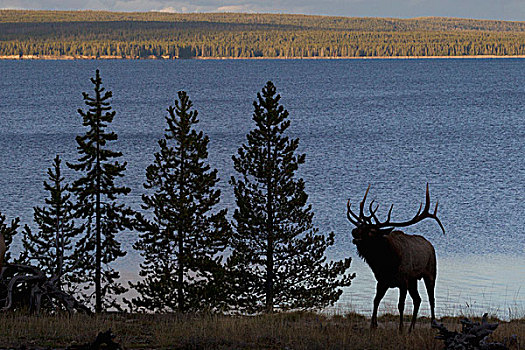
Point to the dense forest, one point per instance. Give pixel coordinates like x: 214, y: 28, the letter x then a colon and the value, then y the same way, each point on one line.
x: 168, y: 35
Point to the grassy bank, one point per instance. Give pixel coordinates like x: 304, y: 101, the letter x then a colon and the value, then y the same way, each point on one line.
x: 279, y: 331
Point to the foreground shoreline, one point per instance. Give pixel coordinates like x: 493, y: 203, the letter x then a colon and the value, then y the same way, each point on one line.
x: 293, y: 330
x: 68, y: 58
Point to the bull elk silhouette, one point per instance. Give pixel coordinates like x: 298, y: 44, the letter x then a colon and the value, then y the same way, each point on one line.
x: 397, y: 260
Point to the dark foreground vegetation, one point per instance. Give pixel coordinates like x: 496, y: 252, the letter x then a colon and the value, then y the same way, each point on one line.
x: 92, y: 34
x: 277, y: 331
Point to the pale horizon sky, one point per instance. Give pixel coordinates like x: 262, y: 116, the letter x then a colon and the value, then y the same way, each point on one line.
x: 509, y: 10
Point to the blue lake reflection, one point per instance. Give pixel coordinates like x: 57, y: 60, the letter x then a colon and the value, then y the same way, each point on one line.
x: 394, y: 124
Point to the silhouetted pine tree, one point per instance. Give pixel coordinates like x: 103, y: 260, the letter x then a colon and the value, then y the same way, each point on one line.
x: 278, y: 259
x: 51, y: 247
x: 181, y: 240
x: 8, y: 230
x: 97, y: 200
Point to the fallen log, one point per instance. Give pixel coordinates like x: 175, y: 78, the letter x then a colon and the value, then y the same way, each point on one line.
x: 39, y: 286
x: 103, y: 341
x: 473, y: 335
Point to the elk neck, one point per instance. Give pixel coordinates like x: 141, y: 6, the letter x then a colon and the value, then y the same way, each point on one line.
x: 380, y: 255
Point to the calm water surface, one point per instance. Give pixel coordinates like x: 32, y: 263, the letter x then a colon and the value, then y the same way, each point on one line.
x: 394, y: 124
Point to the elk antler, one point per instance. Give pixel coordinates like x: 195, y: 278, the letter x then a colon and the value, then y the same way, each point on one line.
x: 362, y: 218
x: 417, y: 218
x: 373, y: 212
x: 362, y: 204
x: 350, y: 212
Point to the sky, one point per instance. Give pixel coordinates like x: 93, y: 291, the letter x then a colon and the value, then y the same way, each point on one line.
x: 510, y: 10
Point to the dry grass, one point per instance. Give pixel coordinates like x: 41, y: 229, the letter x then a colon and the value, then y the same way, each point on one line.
x: 278, y: 331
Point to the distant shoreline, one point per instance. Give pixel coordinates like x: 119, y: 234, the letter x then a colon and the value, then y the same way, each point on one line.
x: 66, y: 58
x: 69, y: 35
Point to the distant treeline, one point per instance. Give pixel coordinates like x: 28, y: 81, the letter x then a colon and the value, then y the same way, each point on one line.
x: 150, y: 35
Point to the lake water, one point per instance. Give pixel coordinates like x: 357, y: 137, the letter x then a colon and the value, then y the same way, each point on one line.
x: 458, y: 124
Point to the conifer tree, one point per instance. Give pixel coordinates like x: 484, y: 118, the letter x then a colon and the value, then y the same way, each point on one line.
x: 7, y: 231
x: 97, y: 200
x: 51, y: 247
x: 278, y: 259
x: 181, y: 240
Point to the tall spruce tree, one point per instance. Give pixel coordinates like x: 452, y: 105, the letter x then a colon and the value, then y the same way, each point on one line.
x: 97, y: 201
x: 184, y: 235
x: 50, y: 248
x: 278, y: 259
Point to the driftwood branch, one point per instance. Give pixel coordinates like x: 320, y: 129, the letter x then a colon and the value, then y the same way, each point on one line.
x: 473, y: 335
x: 104, y: 341
x: 40, y: 287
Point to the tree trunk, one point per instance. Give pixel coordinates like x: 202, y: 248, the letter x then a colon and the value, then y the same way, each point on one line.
x: 59, y: 246
x: 180, y: 274
x: 181, y: 232
x: 98, y: 254
x: 269, y: 229
x: 98, y: 247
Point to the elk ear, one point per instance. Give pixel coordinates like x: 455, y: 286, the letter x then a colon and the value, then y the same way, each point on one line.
x: 385, y: 231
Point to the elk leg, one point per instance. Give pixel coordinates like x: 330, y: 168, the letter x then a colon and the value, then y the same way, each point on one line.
x: 416, y: 299
x: 401, y: 305
x: 429, y: 284
x: 380, y: 293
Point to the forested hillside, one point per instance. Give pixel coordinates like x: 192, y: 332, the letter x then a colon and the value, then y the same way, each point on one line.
x: 166, y: 35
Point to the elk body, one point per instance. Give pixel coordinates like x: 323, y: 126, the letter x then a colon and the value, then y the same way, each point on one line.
x: 397, y: 260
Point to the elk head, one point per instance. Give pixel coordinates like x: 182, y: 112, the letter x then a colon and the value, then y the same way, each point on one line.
x: 369, y: 227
